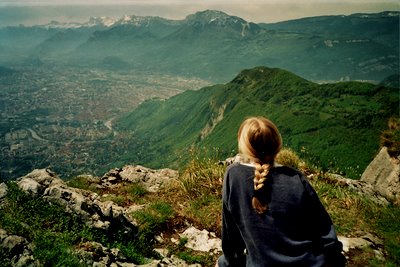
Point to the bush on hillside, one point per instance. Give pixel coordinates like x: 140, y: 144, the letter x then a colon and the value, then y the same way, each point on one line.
x: 390, y: 138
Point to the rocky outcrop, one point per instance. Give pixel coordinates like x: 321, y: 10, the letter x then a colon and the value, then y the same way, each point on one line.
x: 3, y: 192
x: 108, y: 216
x: 201, y: 240
x: 383, y: 173
x: 351, y: 245
x: 88, y: 206
x: 82, y: 203
x: 20, y: 253
x: 17, y: 249
x: 151, y: 180
x: 361, y: 187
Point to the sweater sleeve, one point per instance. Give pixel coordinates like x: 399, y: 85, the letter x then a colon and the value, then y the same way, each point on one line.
x: 327, y: 242
x: 233, y: 245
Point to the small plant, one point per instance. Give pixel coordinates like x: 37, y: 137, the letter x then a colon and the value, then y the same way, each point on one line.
x: 151, y: 220
x: 117, y: 199
x: 206, y: 212
x: 390, y: 138
x: 136, y: 192
x: 202, y: 176
x: 289, y: 158
x: 82, y: 182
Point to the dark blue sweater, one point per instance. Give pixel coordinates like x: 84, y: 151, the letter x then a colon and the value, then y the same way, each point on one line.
x: 295, y: 231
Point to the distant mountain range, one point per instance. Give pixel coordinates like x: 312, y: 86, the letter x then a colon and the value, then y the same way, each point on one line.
x: 335, y: 126
x: 214, y: 45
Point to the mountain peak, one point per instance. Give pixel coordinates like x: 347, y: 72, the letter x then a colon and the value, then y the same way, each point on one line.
x: 212, y: 19
x: 265, y: 74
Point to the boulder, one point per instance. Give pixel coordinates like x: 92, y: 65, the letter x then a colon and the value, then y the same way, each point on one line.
x: 151, y: 180
x: 361, y: 187
x: 31, y: 186
x: 383, y: 173
x: 201, y: 240
x: 361, y: 241
x: 45, y: 177
x: 17, y: 249
x: 3, y: 192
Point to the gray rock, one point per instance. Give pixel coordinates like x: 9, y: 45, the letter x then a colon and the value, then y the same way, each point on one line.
x: 383, y: 173
x: 14, y: 245
x: 31, y: 186
x: 201, y: 240
x: 3, y: 190
x: 150, y: 179
x: 83, y: 203
x: 360, y: 187
x: 45, y: 177
x: 25, y: 261
x: 3, y: 193
x: 363, y: 241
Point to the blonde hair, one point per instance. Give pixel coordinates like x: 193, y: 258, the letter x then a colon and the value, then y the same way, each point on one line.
x: 259, y: 142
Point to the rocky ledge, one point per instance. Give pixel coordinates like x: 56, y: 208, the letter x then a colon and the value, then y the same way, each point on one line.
x: 108, y: 216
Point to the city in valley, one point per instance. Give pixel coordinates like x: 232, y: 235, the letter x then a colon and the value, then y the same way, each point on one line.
x: 61, y: 118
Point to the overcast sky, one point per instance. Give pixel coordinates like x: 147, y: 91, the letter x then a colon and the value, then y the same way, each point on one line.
x: 28, y: 12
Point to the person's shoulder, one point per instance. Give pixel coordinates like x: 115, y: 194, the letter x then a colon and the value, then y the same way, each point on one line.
x: 239, y: 167
x: 287, y: 171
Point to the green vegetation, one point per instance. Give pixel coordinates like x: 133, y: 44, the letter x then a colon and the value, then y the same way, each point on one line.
x: 151, y: 220
x: 351, y: 213
x: 390, y: 138
x: 334, y: 126
x: 194, y: 198
x: 46, y: 224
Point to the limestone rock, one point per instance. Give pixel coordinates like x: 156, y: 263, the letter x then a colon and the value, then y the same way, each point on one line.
x: 363, y: 241
x: 44, y: 177
x: 85, y: 204
x: 151, y: 180
x: 31, y: 186
x: 3, y: 192
x: 361, y: 187
x: 201, y: 240
x: 383, y: 173
x: 17, y: 249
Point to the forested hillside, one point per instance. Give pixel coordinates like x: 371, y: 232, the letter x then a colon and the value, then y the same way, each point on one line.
x: 336, y: 126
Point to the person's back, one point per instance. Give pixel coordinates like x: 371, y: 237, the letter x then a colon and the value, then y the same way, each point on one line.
x: 271, y: 214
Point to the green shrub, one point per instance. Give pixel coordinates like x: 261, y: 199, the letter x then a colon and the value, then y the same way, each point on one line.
x: 82, y: 182
x: 151, y: 220
x: 289, y: 158
x: 202, y: 176
x: 390, y: 138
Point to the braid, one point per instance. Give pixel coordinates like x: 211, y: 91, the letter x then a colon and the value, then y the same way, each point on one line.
x: 260, y: 176
x: 259, y: 142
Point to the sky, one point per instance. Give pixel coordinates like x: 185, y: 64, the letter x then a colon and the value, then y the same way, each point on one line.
x: 30, y: 12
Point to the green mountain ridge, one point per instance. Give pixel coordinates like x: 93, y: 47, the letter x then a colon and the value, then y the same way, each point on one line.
x: 335, y: 125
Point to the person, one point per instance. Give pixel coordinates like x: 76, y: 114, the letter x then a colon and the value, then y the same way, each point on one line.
x: 271, y: 216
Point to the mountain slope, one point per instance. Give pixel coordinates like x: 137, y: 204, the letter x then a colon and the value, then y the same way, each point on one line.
x: 215, y: 46
x: 335, y: 125
x: 379, y: 27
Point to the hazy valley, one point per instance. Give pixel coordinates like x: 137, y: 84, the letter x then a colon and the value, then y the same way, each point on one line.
x: 128, y: 121
x: 62, y: 117
x: 67, y: 88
